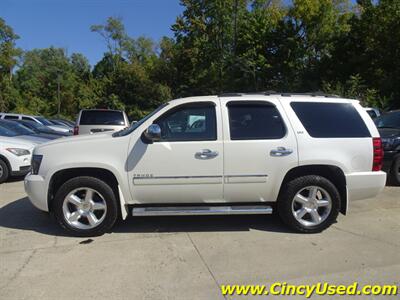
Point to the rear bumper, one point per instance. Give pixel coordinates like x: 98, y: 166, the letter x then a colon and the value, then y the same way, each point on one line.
x: 362, y: 185
x: 35, y: 187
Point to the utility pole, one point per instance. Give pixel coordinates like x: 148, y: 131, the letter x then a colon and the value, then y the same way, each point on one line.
x: 58, y: 93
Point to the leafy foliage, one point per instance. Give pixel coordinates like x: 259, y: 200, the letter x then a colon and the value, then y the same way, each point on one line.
x: 218, y: 46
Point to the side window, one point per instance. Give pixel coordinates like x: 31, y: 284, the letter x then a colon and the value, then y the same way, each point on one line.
x: 330, y: 120
x: 255, y: 121
x: 27, y: 119
x: 11, y: 117
x: 189, y: 122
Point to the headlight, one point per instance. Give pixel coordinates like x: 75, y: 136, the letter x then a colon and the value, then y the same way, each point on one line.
x: 18, y: 151
x: 36, y: 161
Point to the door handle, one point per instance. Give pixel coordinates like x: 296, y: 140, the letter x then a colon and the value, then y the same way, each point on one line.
x: 206, y: 154
x: 281, y: 151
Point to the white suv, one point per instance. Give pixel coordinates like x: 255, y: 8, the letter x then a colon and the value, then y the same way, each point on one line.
x: 305, y: 156
x: 91, y: 121
x: 15, y: 157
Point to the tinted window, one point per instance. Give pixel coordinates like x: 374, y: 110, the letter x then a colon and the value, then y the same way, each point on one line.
x: 372, y: 114
x: 28, y: 119
x: 391, y: 120
x: 255, y: 121
x: 11, y: 117
x: 16, y: 127
x: 44, y: 121
x: 330, y: 120
x: 102, y: 117
x: 7, y: 132
x: 192, y: 122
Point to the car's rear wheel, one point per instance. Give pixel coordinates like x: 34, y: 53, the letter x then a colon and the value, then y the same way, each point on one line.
x: 309, y: 204
x: 4, y: 171
x: 85, y: 206
x: 395, y: 171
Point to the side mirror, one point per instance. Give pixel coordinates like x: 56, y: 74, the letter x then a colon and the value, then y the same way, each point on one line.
x: 153, y: 133
x: 133, y: 122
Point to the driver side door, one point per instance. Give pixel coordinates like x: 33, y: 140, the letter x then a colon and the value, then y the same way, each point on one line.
x: 186, y: 165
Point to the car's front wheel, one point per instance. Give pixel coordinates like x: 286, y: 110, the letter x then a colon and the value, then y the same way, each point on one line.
x: 309, y: 204
x: 85, y: 206
x: 4, y: 171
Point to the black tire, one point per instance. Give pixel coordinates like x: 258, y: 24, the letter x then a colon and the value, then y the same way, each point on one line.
x: 290, y: 190
x: 4, y: 171
x: 100, y: 187
x: 395, y: 172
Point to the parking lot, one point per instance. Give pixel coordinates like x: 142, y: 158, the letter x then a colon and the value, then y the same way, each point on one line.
x: 189, y: 257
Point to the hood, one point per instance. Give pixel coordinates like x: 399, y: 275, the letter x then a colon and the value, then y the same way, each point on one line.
x: 16, y: 142
x: 33, y: 139
x: 389, y: 132
x: 78, y: 139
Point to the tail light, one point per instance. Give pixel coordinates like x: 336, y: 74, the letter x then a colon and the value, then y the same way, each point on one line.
x: 378, y: 154
x: 76, y: 130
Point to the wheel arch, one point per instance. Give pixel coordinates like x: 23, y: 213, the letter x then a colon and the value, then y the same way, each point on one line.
x: 330, y: 172
x: 61, y: 176
x: 3, y: 158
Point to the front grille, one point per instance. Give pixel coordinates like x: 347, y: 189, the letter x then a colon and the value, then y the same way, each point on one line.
x: 25, y: 168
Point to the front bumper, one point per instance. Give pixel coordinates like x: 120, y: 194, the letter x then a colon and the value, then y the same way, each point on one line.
x: 23, y: 170
x: 35, y: 187
x: 362, y: 185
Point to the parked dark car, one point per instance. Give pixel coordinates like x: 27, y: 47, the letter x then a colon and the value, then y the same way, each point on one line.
x: 389, y: 127
x: 44, y: 131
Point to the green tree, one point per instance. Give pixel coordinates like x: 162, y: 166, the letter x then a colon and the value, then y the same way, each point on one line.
x: 9, y: 55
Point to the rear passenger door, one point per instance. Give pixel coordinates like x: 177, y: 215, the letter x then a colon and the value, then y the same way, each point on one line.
x: 259, y: 148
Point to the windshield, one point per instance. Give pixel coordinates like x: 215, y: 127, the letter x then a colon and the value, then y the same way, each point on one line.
x: 44, y: 121
x: 389, y: 120
x: 7, y: 132
x: 18, y: 128
x: 132, y: 128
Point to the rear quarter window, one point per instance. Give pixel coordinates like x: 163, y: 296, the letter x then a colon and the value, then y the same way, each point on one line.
x: 330, y: 120
x: 102, y: 117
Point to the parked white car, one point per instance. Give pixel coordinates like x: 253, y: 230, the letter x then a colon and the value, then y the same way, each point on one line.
x: 305, y: 156
x: 91, y: 121
x: 37, y: 119
x: 15, y: 157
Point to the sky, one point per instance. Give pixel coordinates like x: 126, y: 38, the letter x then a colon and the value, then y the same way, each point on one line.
x: 66, y: 23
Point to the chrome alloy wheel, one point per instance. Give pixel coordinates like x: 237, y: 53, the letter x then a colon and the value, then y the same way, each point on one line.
x: 84, y: 208
x: 1, y: 171
x: 311, y: 206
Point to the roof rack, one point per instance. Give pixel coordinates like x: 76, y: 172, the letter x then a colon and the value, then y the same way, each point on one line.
x: 230, y: 95
x: 267, y: 93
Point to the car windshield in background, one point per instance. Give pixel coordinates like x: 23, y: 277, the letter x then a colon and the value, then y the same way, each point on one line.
x: 44, y: 121
x: 7, y: 132
x: 102, y: 117
x: 389, y: 120
x: 18, y: 128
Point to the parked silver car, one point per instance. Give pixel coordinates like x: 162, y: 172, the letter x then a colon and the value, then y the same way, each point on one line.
x: 37, y: 119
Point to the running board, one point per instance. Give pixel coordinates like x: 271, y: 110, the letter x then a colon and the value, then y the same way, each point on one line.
x: 201, y: 210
